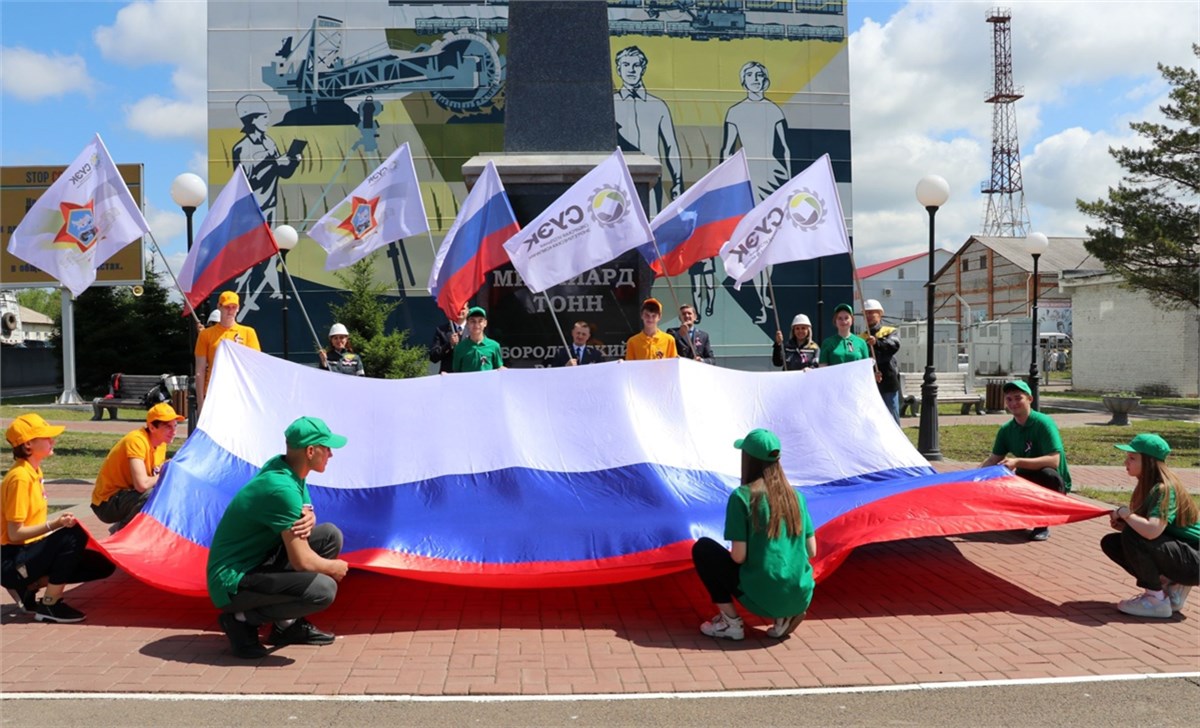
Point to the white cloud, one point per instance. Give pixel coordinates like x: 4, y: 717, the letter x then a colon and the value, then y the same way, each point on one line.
x: 33, y: 76
x: 918, y: 82
x: 198, y: 164
x: 168, y: 32
x: 167, y: 225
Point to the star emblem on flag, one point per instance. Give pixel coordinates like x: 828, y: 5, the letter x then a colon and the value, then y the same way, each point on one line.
x: 361, y: 219
x: 79, y: 225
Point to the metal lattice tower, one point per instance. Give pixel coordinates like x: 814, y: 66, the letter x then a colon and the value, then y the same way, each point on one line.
x: 1005, y: 214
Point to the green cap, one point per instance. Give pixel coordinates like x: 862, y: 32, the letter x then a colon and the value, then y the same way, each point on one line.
x: 308, y: 431
x: 476, y: 311
x: 760, y: 444
x: 1148, y: 444
x: 1018, y: 385
x: 843, y: 307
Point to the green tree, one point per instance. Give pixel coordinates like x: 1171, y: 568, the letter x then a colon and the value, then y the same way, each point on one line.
x: 1150, y: 224
x: 43, y: 300
x: 116, y: 331
x: 364, y: 311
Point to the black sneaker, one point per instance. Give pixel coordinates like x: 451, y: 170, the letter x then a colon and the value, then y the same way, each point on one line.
x: 59, y: 611
x: 26, y: 601
x: 1039, y: 534
x: 302, y: 632
x: 243, y: 637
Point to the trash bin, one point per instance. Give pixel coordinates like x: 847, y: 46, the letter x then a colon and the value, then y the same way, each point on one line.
x: 179, y: 402
x: 994, y: 399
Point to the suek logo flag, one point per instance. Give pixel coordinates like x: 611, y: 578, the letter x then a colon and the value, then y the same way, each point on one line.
x: 386, y: 207
x: 596, y: 220
x: 801, y: 220
x: 85, y: 217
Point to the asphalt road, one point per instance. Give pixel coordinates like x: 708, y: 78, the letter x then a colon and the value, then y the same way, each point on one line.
x: 1142, y: 702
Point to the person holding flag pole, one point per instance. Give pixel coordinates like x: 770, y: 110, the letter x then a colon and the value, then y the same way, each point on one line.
x: 593, y: 222
x: 801, y: 220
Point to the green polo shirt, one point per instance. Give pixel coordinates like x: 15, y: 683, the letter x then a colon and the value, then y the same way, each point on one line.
x: 1037, y: 437
x: 777, y: 578
x: 1190, y: 534
x: 250, y: 531
x: 472, y: 357
x: 836, y: 350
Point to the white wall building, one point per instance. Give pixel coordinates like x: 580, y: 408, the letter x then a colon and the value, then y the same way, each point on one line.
x: 1124, y: 342
x: 899, y: 284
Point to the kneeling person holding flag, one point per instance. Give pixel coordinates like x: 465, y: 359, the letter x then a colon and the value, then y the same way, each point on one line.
x: 269, y: 560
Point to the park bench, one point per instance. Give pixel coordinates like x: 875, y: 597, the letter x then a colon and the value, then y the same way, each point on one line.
x: 127, y: 390
x: 952, y: 389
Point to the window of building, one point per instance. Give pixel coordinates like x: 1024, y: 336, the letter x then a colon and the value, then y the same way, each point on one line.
x: 900, y: 274
x: 983, y: 262
x: 966, y: 265
x: 909, y: 313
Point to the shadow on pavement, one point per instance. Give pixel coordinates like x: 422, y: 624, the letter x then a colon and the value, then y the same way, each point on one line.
x: 205, y: 649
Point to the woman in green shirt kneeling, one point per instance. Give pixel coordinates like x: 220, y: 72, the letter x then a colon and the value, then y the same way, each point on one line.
x: 769, y: 565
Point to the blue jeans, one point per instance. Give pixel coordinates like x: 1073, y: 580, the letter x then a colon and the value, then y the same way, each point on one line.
x: 892, y: 400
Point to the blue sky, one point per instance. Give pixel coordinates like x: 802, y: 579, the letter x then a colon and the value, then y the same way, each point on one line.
x: 135, y: 73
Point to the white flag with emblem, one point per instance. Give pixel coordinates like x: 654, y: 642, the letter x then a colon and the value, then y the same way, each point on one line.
x: 596, y: 220
x: 801, y: 220
x: 386, y: 207
x: 85, y: 217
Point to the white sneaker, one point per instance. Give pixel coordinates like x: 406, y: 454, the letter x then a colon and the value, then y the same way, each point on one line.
x: 1177, y: 594
x: 784, y: 627
x: 1144, y: 605
x: 724, y: 627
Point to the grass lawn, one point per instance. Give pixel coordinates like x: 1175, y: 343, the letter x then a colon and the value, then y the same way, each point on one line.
x: 1115, y: 497
x: 1088, y: 445
x: 79, y: 455
x: 66, y: 413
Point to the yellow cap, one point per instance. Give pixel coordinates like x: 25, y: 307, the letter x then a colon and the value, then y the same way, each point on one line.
x: 163, y: 412
x: 228, y: 297
x: 30, y: 427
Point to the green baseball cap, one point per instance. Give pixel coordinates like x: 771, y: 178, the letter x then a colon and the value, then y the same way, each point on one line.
x: 476, y: 311
x: 1018, y: 385
x: 843, y: 307
x: 1148, y: 444
x: 760, y: 444
x: 309, y: 431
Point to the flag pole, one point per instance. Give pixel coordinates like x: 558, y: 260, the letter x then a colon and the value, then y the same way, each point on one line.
x: 292, y: 282
x: 778, y: 326
x: 557, y: 325
x: 190, y: 308
x: 862, y: 302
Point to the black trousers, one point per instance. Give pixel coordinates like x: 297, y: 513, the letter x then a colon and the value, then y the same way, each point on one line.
x: 274, y: 591
x: 717, y: 569
x: 1148, y: 559
x: 121, y: 507
x: 1046, y: 477
x: 62, y: 556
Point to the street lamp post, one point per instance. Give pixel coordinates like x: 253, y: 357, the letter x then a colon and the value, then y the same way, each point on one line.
x: 286, y: 238
x: 188, y: 191
x: 932, y: 193
x: 1035, y: 245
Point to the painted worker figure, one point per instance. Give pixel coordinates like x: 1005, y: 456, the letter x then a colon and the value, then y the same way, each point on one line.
x: 691, y: 342
x: 650, y: 343
x: 477, y: 353
x: 270, y: 560
x: 579, y: 351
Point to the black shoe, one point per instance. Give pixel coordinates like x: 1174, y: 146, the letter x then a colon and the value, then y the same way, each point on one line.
x: 1039, y: 534
x: 59, y: 611
x: 302, y: 632
x: 26, y: 601
x: 243, y: 637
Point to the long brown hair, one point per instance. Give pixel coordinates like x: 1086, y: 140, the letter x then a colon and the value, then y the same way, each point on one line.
x: 1155, y: 472
x: 767, y: 480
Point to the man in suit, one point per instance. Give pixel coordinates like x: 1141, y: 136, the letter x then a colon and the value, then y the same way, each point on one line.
x: 579, y: 352
x: 445, y: 338
x: 691, y: 342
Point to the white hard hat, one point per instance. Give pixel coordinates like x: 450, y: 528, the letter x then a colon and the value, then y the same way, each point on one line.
x: 338, y: 330
x: 215, y: 316
x: 251, y: 105
x: 872, y: 305
x: 801, y: 320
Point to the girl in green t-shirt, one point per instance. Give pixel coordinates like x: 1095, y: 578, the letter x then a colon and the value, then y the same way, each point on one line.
x: 768, y: 567
x: 1159, y: 539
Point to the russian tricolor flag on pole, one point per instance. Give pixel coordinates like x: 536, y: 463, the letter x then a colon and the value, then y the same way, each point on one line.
x: 233, y: 238
x: 698, y: 222
x: 474, y: 244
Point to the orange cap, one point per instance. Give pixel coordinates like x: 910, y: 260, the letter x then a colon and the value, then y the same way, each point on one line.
x: 228, y: 297
x: 163, y: 412
x: 30, y: 427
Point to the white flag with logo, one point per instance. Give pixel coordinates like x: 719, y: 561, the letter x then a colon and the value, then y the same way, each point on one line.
x: 82, y: 220
x: 386, y: 207
x: 596, y: 220
x: 801, y: 220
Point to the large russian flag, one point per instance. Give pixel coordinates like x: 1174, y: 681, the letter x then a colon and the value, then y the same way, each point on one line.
x: 474, y: 244
x: 233, y: 238
x: 547, y: 488
x: 698, y: 222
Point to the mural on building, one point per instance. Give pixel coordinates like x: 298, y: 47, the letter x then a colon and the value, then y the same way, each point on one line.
x: 311, y: 111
